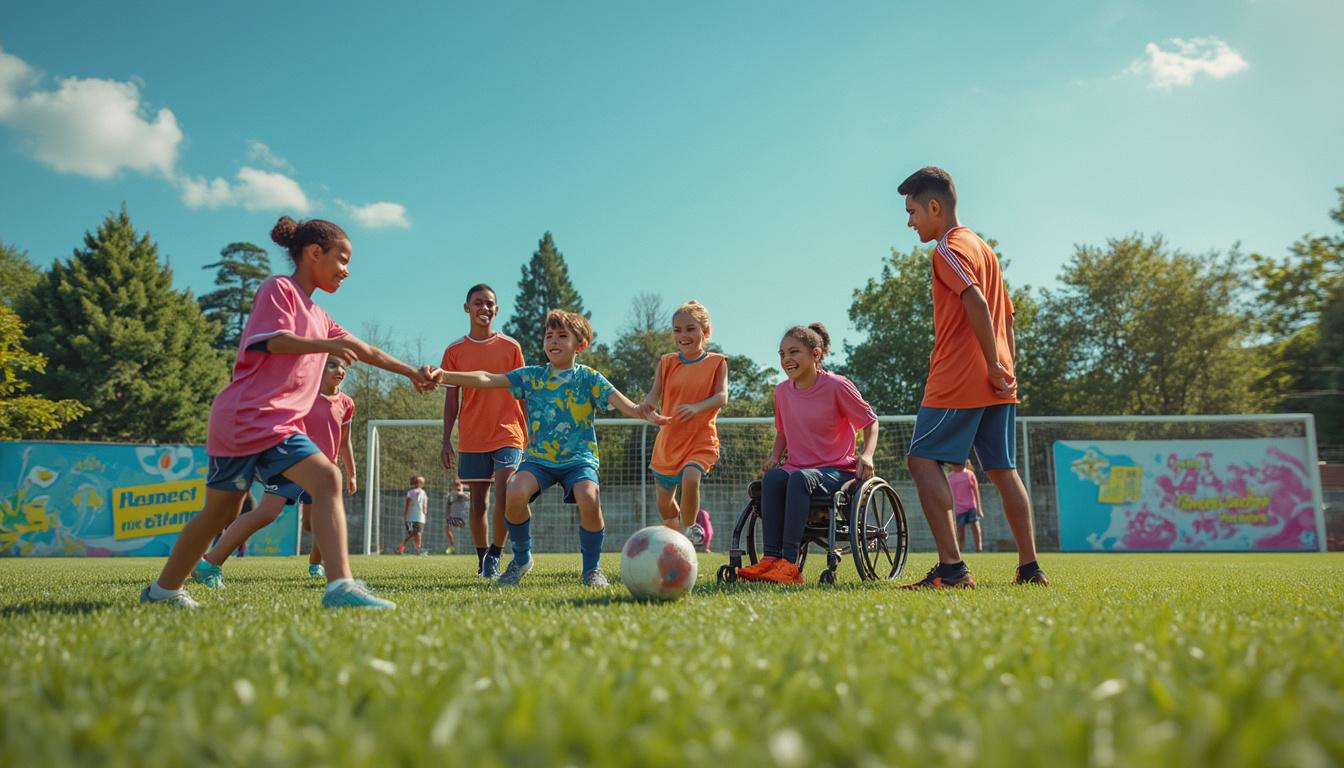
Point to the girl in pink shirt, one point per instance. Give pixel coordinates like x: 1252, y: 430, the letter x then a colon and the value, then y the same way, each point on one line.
x: 816, y: 416
x: 256, y: 421
x: 966, y: 508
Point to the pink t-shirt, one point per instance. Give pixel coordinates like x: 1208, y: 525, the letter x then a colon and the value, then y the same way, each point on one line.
x: 963, y: 486
x: 270, y: 393
x: 818, y: 423
x: 323, y: 423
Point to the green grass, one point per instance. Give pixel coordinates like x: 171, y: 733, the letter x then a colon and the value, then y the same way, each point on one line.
x: 1126, y: 660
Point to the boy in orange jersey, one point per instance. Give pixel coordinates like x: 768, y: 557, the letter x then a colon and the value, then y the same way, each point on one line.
x: 492, y: 429
x: 970, y: 397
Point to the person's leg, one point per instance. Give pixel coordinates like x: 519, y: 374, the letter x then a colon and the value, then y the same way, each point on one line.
x: 499, y: 530
x: 996, y: 447
x: 667, y: 507
x: 322, y: 480
x: 518, y: 515
x: 592, y: 528
x: 221, y: 507
x: 961, y: 536
x: 979, y: 536
x: 1017, y: 509
x: 419, y: 542
x: 774, y: 495
x: 480, y: 500
x: 690, y: 495
x: 935, y: 499
x: 803, y: 484
x: 244, y: 526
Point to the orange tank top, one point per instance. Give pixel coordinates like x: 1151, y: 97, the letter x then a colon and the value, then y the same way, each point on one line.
x: 697, y: 440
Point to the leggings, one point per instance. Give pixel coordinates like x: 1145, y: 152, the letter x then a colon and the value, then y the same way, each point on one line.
x: 786, y: 498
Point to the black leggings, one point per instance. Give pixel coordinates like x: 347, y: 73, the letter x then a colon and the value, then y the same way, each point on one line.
x: 786, y: 498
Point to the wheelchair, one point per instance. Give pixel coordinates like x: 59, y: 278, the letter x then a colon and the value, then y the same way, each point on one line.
x: 864, y: 519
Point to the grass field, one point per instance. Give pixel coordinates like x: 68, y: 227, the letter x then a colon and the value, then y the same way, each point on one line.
x: 1127, y: 660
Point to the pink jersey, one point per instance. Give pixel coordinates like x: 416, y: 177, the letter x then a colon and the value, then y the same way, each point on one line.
x: 323, y: 423
x: 818, y: 423
x: 270, y: 393
x: 963, y: 486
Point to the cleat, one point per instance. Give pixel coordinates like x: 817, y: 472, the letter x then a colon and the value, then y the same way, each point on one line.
x: 782, y: 572
x: 595, y: 578
x: 696, y: 534
x: 514, y: 573
x: 316, y: 571
x: 400, y: 550
x: 754, y: 572
x: 178, y: 599
x: 932, y: 580
x: 354, y: 594
x: 490, y: 567
x: 208, y: 574
x: 1035, y: 577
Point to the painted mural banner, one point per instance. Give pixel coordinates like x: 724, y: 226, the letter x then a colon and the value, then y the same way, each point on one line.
x: 1186, y: 495
x: 105, y: 500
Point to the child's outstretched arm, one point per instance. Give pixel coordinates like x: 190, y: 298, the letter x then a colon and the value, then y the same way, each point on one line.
x: 716, y: 400
x: 650, y: 403
x: 474, y: 379
x: 626, y: 406
x: 349, y: 349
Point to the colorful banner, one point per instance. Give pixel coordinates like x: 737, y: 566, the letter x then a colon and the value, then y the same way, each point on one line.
x: 1185, y: 495
x: 99, y: 500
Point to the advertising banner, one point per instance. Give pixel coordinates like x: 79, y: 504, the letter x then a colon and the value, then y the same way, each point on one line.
x: 100, y: 500
x: 1186, y: 495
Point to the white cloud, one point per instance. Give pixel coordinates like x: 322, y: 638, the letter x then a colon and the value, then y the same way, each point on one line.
x: 88, y: 127
x: 254, y: 189
x: 1200, y: 55
x: 259, y: 152
x: 379, y: 215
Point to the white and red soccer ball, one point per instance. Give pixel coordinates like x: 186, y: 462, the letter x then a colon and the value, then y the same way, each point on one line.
x: 658, y: 563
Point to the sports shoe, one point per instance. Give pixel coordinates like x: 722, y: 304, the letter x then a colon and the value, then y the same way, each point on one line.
x: 423, y: 553
x: 932, y: 580
x: 782, y: 572
x: 316, y: 571
x: 354, y: 594
x: 178, y: 599
x: 753, y: 572
x: 490, y: 567
x: 595, y: 578
x: 209, y: 574
x: 696, y: 534
x: 514, y: 573
x: 401, y: 549
x: 1035, y: 577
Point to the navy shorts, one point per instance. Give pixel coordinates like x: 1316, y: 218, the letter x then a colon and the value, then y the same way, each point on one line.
x: 969, y: 517
x: 948, y: 434
x: 670, y: 482
x: 481, y: 467
x: 236, y: 473
x: 567, y: 477
x: 289, y: 491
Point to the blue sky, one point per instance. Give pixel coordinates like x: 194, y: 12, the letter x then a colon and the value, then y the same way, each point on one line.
x: 742, y: 153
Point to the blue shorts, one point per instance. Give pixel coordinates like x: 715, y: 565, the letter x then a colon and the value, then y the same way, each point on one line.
x: 670, y: 482
x: 567, y: 477
x: 236, y: 473
x: 969, y: 517
x: 948, y: 434
x: 481, y: 467
x: 289, y: 491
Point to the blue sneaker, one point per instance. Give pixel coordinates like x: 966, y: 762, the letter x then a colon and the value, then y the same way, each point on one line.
x: 354, y: 594
x: 514, y: 573
x: 316, y: 571
x: 490, y: 567
x: 178, y: 599
x: 208, y: 574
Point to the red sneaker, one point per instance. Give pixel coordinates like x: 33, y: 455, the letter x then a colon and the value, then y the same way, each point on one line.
x: 782, y: 572
x: 753, y: 572
x: 932, y: 580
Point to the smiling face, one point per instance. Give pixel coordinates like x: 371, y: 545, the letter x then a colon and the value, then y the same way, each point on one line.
x: 332, y: 375
x: 481, y: 308
x: 688, y: 335
x: 561, y: 346
x: 925, y: 218
x: 797, y: 359
x: 329, y: 267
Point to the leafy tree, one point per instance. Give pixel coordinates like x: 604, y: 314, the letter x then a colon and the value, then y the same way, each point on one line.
x: 646, y: 338
x: 544, y: 286
x: 751, y: 388
x: 21, y: 414
x: 18, y: 275
x: 241, y: 269
x: 117, y: 336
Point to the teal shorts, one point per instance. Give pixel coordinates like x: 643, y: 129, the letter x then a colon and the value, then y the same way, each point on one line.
x: 670, y: 482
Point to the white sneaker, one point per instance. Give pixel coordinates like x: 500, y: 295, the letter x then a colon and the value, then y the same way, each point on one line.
x: 178, y: 599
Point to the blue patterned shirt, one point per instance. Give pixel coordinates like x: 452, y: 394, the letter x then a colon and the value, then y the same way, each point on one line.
x: 560, y: 412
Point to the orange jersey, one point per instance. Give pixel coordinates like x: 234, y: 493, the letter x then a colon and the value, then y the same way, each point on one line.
x: 488, y: 419
x: 696, y: 440
x: 958, y: 376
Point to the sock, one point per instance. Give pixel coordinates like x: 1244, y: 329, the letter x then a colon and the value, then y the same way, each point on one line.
x: 480, y: 557
x: 521, y: 534
x: 951, y: 570
x: 493, y: 551
x: 1027, y: 569
x: 590, y: 544
x: 336, y: 584
x: 159, y: 593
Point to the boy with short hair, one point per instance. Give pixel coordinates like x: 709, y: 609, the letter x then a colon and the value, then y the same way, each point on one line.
x: 491, y: 427
x: 415, y: 515
x: 560, y: 399
x: 970, y: 396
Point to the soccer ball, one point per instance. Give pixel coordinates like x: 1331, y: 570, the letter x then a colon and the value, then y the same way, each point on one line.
x: 658, y: 563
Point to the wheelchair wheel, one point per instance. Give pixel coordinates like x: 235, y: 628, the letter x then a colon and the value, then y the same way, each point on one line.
x: 878, y: 535
x: 827, y: 577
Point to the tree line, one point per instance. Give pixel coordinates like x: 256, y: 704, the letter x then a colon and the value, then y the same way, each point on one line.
x: 101, y: 346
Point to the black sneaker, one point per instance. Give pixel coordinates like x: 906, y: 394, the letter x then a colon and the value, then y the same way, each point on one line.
x: 932, y: 580
x: 1034, y: 576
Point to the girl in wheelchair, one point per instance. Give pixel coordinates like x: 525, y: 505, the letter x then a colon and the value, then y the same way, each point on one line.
x: 816, y: 416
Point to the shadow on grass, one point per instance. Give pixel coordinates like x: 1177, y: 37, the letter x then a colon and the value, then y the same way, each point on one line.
x: 47, y: 606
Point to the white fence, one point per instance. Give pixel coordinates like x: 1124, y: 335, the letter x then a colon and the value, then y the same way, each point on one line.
x: 398, y: 449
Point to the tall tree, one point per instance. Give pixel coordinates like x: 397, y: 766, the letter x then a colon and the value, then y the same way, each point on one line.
x: 646, y: 338
x: 18, y: 275
x: 22, y: 414
x: 240, y: 271
x: 121, y: 340
x: 544, y: 286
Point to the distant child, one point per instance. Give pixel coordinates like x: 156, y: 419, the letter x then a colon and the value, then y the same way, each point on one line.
x: 817, y: 414
x: 560, y: 398
x: 415, y: 515
x: 966, y: 506
x: 692, y: 385
x: 256, y: 422
x: 328, y: 426
x: 459, y: 506
x: 971, y: 394
x: 492, y: 429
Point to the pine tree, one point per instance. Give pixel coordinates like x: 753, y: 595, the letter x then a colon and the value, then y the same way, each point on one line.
x: 118, y: 338
x: 242, y: 267
x: 543, y: 286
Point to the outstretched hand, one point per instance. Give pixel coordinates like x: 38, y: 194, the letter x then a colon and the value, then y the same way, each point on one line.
x: 654, y: 417
x: 422, y: 380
